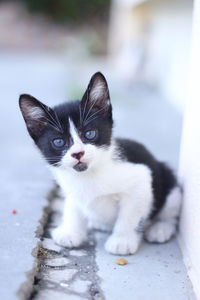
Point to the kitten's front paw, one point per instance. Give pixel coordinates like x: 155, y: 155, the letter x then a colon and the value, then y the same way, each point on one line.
x: 120, y: 244
x: 68, y: 239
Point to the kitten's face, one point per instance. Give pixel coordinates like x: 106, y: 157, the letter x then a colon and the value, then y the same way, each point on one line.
x: 73, y: 135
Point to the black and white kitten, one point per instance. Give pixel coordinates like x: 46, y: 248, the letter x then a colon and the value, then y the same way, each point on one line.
x: 113, y: 184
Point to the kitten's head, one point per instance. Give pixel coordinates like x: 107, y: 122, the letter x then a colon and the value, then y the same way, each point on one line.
x: 73, y: 135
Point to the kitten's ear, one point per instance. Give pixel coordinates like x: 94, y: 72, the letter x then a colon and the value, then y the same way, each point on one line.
x: 96, y: 97
x: 35, y: 113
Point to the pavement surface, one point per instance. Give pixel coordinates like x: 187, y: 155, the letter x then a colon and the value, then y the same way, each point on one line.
x: 25, y: 181
x: 32, y: 266
x: 91, y: 273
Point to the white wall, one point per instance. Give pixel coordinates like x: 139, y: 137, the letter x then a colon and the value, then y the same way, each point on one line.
x: 150, y: 42
x: 190, y: 164
x: 169, y: 46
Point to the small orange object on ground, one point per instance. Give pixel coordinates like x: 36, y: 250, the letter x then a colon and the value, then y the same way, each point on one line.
x: 121, y: 261
x: 14, y: 211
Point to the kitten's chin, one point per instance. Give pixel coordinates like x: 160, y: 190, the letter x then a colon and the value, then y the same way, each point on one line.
x: 80, y: 167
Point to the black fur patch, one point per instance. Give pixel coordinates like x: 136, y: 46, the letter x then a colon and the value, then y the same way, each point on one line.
x: 163, y: 177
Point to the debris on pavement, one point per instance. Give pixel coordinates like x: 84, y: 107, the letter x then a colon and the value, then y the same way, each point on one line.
x: 121, y: 261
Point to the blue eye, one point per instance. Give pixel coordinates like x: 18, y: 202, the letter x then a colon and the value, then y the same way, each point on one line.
x: 91, y: 134
x: 59, y: 143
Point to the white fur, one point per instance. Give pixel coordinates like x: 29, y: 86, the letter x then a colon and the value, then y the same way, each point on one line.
x: 172, y: 206
x: 98, y: 90
x: 111, y: 193
x: 78, y: 146
x: 35, y: 112
x: 165, y: 224
x: 73, y: 231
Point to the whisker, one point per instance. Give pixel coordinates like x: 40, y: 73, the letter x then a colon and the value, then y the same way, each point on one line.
x: 94, y: 114
x: 86, y: 102
x: 80, y: 113
x: 90, y: 120
x: 51, y: 160
x: 58, y: 121
x: 91, y: 108
x: 52, y: 118
x: 55, y: 164
x: 50, y: 123
x: 54, y: 157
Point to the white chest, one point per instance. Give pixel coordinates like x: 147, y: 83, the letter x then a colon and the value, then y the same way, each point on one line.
x: 99, y: 194
x: 103, y: 209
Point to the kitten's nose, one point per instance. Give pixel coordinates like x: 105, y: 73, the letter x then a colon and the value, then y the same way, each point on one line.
x: 78, y: 155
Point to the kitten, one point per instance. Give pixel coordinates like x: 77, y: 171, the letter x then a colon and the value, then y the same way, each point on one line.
x: 110, y: 184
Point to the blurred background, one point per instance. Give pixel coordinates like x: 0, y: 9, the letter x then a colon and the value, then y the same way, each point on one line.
x: 51, y: 49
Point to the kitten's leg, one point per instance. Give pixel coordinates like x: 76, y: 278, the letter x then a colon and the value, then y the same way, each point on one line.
x: 165, y: 225
x: 125, y: 238
x: 73, y: 230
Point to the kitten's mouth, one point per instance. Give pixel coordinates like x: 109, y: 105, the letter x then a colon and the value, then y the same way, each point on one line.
x: 80, y: 166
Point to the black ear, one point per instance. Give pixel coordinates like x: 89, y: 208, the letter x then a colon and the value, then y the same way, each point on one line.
x: 37, y: 115
x: 96, y: 99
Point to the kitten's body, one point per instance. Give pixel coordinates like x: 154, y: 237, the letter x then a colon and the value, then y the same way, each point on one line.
x: 109, y: 184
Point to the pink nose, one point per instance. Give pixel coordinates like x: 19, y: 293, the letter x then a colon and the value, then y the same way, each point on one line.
x: 78, y: 155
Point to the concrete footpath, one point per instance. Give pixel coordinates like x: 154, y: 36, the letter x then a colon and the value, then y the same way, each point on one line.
x: 25, y: 181
x: 155, y: 272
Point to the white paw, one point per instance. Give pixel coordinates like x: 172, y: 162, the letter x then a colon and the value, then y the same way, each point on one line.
x: 68, y: 239
x: 122, y: 244
x: 160, y: 232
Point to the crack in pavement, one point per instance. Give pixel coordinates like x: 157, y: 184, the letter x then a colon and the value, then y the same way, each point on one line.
x: 64, y: 273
